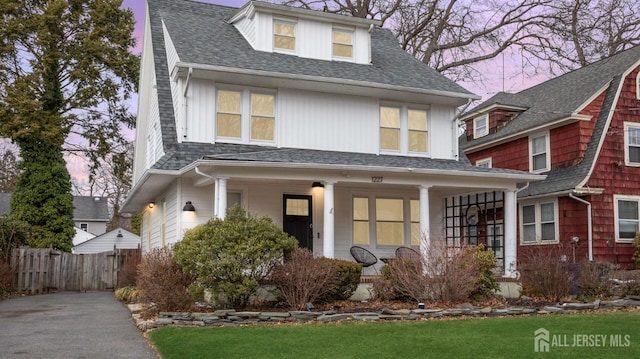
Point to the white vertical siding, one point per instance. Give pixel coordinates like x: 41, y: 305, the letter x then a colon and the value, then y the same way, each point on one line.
x: 362, y: 46
x: 171, y: 222
x: 441, y: 135
x: 200, y: 111
x: 327, y: 122
x: 264, y: 32
x: 247, y: 28
x: 313, y: 39
x: 202, y: 200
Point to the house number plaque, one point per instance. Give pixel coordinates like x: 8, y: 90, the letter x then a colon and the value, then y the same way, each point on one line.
x: 377, y: 179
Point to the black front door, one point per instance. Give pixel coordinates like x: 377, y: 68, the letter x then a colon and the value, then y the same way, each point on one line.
x: 297, y: 219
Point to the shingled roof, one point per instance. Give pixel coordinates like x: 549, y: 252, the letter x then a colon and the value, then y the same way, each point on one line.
x: 556, y: 99
x: 87, y: 208
x: 201, y: 35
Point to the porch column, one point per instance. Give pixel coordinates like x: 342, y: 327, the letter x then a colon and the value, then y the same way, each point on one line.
x: 425, y: 239
x: 510, y: 232
x: 222, y: 197
x: 328, y: 243
x: 216, y: 198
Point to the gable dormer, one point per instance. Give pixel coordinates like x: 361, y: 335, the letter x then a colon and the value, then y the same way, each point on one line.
x: 305, y: 33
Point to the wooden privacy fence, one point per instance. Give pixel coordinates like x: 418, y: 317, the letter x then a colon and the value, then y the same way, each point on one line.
x: 39, y: 270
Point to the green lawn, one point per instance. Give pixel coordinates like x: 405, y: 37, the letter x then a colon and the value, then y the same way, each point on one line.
x: 510, y: 337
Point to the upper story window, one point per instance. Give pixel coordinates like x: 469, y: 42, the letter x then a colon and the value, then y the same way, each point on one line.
x: 538, y: 223
x: 627, y: 217
x: 638, y: 86
x: 539, y: 156
x: 404, y: 129
x: 480, y: 126
x: 245, y: 115
x: 342, y: 46
x: 632, y: 143
x: 485, y: 162
x: 284, y: 35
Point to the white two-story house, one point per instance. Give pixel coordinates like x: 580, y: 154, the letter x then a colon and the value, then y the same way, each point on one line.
x: 319, y: 121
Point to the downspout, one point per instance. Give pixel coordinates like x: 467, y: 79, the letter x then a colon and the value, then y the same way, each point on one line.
x: 589, y: 225
x: 185, y: 103
x: 215, y: 196
x: 454, y: 123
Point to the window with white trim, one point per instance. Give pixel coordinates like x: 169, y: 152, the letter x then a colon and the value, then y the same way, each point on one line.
x: 632, y: 143
x: 538, y: 222
x: 404, y: 129
x: 485, y: 162
x: 481, y: 126
x: 539, y: 154
x: 627, y: 217
x: 245, y: 115
x: 84, y: 226
x: 284, y: 35
x: 638, y: 86
x: 342, y: 43
x: 383, y: 221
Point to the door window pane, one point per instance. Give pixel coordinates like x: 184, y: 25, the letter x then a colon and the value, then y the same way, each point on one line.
x: 297, y: 207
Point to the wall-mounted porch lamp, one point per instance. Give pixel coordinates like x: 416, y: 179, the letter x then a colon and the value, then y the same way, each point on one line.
x: 317, y: 185
x: 152, y: 204
x: 188, y: 207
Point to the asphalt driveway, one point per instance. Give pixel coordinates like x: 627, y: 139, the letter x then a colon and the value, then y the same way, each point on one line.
x: 70, y: 325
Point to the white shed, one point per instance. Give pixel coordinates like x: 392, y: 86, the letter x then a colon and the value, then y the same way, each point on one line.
x: 118, y: 238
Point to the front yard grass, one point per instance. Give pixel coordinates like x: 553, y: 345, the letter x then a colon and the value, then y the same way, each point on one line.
x: 504, y: 337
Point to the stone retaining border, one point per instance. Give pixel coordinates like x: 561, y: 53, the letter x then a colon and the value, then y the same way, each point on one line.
x: 230, y: 317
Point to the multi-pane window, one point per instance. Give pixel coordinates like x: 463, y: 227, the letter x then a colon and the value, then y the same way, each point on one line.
x: 404, y: 129
x: 480, y: 126
x: 228, y: 118
x: 284, y: 35
x: 539, y: 150
x: 360, y: 220
x: 342, y: 43
x: 416, y: 233
x: 539, y: 223
x: 632, y: 143
x: 389, y: 128
x: 485, y: 162
x: 389, y: 221
x: 262, y: 117
x: 417, y: 130
x: 627, y: 212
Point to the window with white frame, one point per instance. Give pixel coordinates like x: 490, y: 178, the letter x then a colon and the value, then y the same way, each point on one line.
x: 361, y: 221
x: 244, y: 115
x: 284, y: 35
x: 416, y: 232
x: 84, y: 226
x: 538, y: 222
x: 627, y: 217
x: 342, y: 43
x: 383, y: 221
x: 481, y: 126
x: 632, y: 143
x: 404, y: 129
x: 389, y: 222
x: 539, y: 154
x: 485, y: 162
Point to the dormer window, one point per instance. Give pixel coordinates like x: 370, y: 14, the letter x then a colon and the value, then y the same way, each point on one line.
x: 342, y: 45
x: 284, y: 35
x: 480, y: 126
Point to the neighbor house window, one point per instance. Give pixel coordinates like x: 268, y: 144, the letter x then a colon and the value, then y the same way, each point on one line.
x: 262, y: 117
x: 389, y: 128
x: 360, y: 220
x: 632, y: 143
x: 480, y: 126
x: 417, y: 130
x: 228, y: 118
x: 638, y: 86
x: 627, y: 217
x: 539, y: 223
x: 539, y: 156
x: 389, y: 222
x: 485, y: 162
x: 234, y: 199
x: 404, y: 129
x: 284, y: 35
x: 84, y: 226
x: 342, y: 43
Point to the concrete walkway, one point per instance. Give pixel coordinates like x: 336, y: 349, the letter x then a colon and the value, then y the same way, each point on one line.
x: 70, y: 325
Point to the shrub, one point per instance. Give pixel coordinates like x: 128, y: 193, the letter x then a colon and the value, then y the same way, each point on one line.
x: 626, y: 283
x: 594, y: 280
x: 233, y: 256
x: 302, y: 278
x: 6, y: 279
x: 346, y: 277
x: 544, y: 274
x: 443, y: 275
x: 127, y: 294
x: 486, y: 262
x: 162, y: 283
x: 13, y: 234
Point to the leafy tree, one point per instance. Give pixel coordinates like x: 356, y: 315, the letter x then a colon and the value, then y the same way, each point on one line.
x: 232, y: 256
x: 65, y: 70
x: 10, y: 171
x: 13, y: 234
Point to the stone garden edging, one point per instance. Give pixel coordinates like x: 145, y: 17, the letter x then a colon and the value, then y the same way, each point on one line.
x: 230, y: 317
